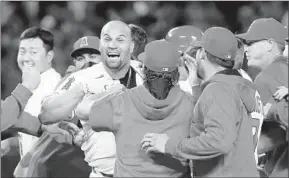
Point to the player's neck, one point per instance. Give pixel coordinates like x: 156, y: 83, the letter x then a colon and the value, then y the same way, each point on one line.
x: 271, y: 57
x: 118, y: 73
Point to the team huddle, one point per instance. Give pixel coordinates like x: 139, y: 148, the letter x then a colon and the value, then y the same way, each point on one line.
x: 182, y: 106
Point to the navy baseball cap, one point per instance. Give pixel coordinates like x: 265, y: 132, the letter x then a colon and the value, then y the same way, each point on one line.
x: 86, y: 42
x: 219, y: 42
x: 160, y: 56
x: 265, y: 28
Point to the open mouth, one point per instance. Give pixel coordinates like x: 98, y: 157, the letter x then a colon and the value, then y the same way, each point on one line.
x: 113, y: 56
x: 28, y: 64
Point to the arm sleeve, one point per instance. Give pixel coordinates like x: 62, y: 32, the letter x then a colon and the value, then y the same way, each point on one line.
x: 264, y: 87
x: 27, y: 124
x: 101, y: 116
x: 220, y: 129
x: 12, y: 106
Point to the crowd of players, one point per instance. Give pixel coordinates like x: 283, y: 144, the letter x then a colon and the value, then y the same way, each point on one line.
x: 180, y: 106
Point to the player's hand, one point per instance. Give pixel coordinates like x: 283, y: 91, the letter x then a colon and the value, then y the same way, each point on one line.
x: 71, y: 69
x: 77, y: 133
x: 59, y: 133
x: 192, y: 65
x: 153, y: 142
x: 30, y: 77
x: 280, y: 93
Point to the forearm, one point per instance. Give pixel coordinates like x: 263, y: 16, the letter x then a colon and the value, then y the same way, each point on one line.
x: 197, y: 148
x: 59, y: 106
x: 12, y: 106
x: 27, y: 124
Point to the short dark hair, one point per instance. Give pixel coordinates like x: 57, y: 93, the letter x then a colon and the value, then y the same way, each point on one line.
x: 221, y: 62
x: 35, y: 32
x: 140, y: 38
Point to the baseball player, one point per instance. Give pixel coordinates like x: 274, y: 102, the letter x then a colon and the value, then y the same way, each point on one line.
x: 220, y: 143
x: 258, y: 114
x: 264, y: 47
x: 36, y: 49
x: 116, y: 46
x: 153, y: 106
x: 84, y: 54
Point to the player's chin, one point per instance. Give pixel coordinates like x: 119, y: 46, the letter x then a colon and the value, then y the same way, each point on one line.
x: 114, y: 65
x: 252, y: 63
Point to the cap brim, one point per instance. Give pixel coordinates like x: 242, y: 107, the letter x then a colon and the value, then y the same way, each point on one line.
x: 247, y: 37
x: 72, y: 54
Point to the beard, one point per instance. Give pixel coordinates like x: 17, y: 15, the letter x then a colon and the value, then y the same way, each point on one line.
x: 113, y: 64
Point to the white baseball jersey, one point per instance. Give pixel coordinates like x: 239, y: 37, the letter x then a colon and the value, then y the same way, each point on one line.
x: 49, y: 80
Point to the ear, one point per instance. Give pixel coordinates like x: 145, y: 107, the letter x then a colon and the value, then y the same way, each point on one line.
x: 131, y: 47
x: 50, y: 56
x: 271, y: 44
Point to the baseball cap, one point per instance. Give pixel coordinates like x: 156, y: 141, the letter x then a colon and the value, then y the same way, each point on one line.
x: 184, y: 36
x: 86, y: 42
x: 219, y: 42
x: 160, y: 56
x: 265, y: 28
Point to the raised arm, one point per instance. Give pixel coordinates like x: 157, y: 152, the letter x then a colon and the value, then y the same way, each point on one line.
x: 59, y: 106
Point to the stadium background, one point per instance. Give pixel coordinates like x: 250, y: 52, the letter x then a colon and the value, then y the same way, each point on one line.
x: 71, y: 20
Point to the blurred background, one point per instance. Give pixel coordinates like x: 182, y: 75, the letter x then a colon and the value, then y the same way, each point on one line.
x: 72, y: 20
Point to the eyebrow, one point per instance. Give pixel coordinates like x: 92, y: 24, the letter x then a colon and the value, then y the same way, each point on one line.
x: 29, y: 47
x: 122, y: 35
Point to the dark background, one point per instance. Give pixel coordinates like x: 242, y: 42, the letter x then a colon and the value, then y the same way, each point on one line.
x: 72, y: 20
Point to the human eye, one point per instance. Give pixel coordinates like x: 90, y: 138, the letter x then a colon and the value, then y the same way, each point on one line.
x: 80, y: 58
x: 120, y: 40
x: 21, y: 52
x: 107, y: 39
x: 93, y: 56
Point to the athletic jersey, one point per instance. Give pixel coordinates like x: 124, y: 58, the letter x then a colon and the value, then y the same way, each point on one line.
x: 257, y: 117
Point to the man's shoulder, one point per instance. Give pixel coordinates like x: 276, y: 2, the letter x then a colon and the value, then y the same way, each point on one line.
x: 275, y: 68
x: 92, y: 71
